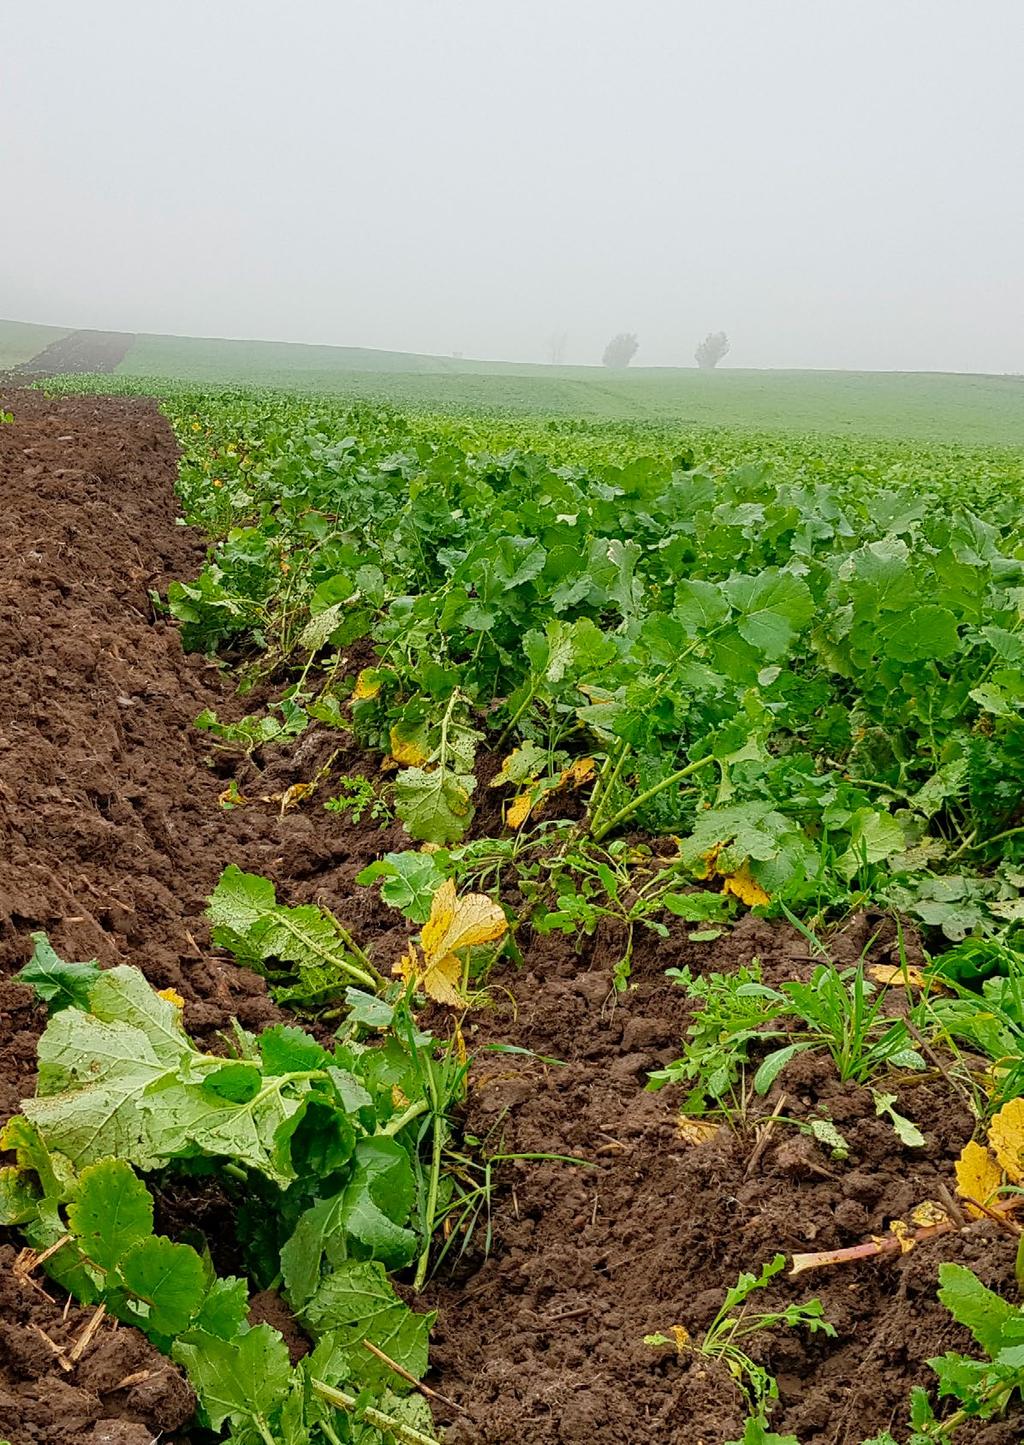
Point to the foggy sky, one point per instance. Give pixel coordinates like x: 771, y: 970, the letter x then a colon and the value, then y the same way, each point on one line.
x: 836, y: 183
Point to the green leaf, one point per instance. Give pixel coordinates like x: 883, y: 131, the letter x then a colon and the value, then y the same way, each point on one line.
x: 184, y: 1120
x: 755, y: 1432
x: 774, y: 1064
x: 92, y: 1076
x: 224, y: 1311
x: 286, y: 1049
x: 772, y: 608
x: 19, y: 1198
x: 410, y: 881
x: 906, y: 1131
x: 237, y: 1380
x: 377, y: 1201
x: 357, y: 1302
x: 700, y: 606
x: 112, y: 1211
x: 924, y: 632
x: 170, y: 1278
x: 435, y: 807
x: 978, y: 1309
x: 248, y: 920
x: 57, y: 983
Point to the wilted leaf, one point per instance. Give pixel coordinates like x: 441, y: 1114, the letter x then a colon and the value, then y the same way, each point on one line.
x: 581, y: 771
x: 978, y: 1176
x: 368, y: 684
x: 454, y: 923
x: 519, y: 810
x: 438, y: 981
x: 695, y: 1131
x: 1006, y: 1137
x: 746, y: 889
x: 293, y: 796
x: 890, y: 973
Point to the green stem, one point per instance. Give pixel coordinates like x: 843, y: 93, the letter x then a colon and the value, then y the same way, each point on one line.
x: 970, y: 847
x: 993, y: 1393
x: 263, y: 1429
x: 354, y: 948
x: 613, y: 778
x: 638, y: 802
x: 360, y: 975
x: 396, y: 1125
x: 517, y: 715
x: 435, y: 1179
x: 341, y: 1400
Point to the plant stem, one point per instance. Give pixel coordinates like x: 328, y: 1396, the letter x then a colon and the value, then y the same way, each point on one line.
x: 354, y: 948
x: 435, y: 1178
x: 950, y: 1426
x: 396, y: 1125
x: 638, y: 802
x: 407, y: 1434
x: 613, y: 778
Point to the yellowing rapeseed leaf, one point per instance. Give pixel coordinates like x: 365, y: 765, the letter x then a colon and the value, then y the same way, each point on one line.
x: 978, y: 1176
x: 896, y: 973
x: 367, y: 685
x: 746, y: 889
x: 172, y: 996
x: 582, y: 771
x: 519, y: 810
x: 406, y: 750
x: 1006, y: 1138
x: 454, y: 923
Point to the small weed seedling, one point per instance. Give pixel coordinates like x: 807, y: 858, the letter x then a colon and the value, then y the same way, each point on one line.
x: 359, y: 798
x: 733, y: 1324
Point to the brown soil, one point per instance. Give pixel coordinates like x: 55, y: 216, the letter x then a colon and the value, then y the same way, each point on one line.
x: 112, y: 839
x: 81, y: 351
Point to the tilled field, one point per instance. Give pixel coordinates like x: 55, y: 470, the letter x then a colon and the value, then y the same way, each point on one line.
x: 112, y: 839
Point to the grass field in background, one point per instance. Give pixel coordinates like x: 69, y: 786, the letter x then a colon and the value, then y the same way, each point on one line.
x: 964, y: 409
x: 21, y: 340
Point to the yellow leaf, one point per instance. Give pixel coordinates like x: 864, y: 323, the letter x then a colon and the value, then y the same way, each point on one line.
x: 437, y: 980
x: 746, y: 889
x: 708, y: 861
x: 696, y: 1131
x: 901, y: 1229
x: 461, y: 1052
x: 405, y: 750
x: 454, y: 923
x: 231, y: 797
x: 172, y: 996
x: 978, y: 1176
x: 519, y: 810
x: 293, y: 796
x: 367, y: 685
x: 581, y: 772
x: 1006, y: 1138
x: 888, y: 973
x: 929, y: 1214
x: 681, y: 1335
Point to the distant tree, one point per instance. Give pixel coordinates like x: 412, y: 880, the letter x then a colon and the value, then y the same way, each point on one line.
x: 711, y: 350
x: 620, y: 350
x: 557, y: 343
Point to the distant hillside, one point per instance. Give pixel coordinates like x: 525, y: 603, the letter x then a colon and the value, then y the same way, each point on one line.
x: 913, y: 406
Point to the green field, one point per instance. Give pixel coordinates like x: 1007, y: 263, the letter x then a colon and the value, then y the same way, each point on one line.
x: 21, y: 340
x: 908, y: 407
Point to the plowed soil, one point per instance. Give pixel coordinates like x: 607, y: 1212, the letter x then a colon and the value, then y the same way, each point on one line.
x: 85, y: 351
x: 112, y: 838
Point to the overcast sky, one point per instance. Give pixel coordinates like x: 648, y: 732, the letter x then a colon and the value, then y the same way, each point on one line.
x: 836, y: 183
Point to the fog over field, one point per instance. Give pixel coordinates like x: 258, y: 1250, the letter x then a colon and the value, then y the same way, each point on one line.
x: 834, y: 184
